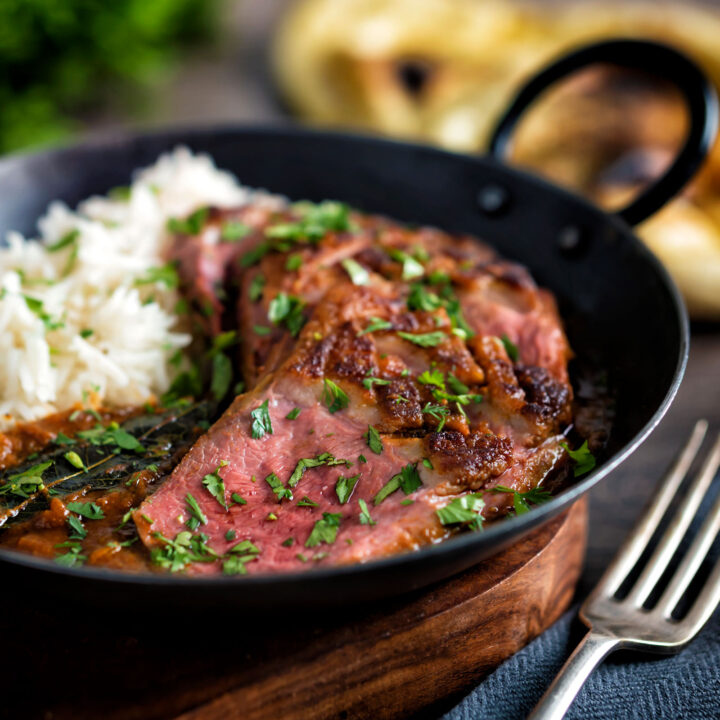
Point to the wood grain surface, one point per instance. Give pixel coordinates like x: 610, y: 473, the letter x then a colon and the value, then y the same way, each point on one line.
x: 388, y: 661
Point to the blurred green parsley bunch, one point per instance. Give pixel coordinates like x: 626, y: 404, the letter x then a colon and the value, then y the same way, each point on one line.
x: 62, y: 59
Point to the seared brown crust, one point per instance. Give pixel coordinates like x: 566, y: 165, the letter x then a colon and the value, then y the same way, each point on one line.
x: 469, y: 460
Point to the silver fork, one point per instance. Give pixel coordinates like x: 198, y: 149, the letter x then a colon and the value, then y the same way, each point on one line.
x: 624, y: 623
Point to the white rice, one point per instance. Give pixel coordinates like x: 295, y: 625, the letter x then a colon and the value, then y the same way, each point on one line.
x: 135, y: 333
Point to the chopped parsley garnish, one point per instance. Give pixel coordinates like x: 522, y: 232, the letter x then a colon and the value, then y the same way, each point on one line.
x: 325, y: 530
x: 305, y: 501
x: 407, y: 501
x: 305, y: 463
x: 368, y: 382
x: 186, y: 548
x: 72, y: 557
x: 408, y: 479
x: 197, y: 516
x: 36, y: 306
x: 294, y: 262
x: 222, y: 374
x: 292, y: 415
x: 69, y: 238
x: 215, y: 486
x: 344, y: 487
x: 191, y: 225
x: 510, y: 348
x: 78, y: 531
x: 536, y: 496
x: 89, y: 510
x: 420, y: 298
x: 373, y: 440
x: 301, y: 557
x: 411, y: 268
x: 358, y: 274
x: 464, y: 510
x: 24, y: 483
x: 365, y: 518
x: 166, y: 274
x: 362, y: 459
x: 62, y: 439
x: 230, y: 535
x: 432, y: 377
x: 334, y: 396
x: 456, y: 386
x: 261, y: 423
x: 256, y: 287
x: 431, y: 339
x: 261, y: 330
x: 315, y: 221
x: 288, y: 543
x: 234, y: 230
x: 439, y: 412
x: 287, y: 310
x: 582, y: 457
x: 427, y: 463
x: 85, y: 333
x: 75, y: 460
x: 281, y: 492
x: 238, y: 556
x: 376, y: 324
x: 238, y: 499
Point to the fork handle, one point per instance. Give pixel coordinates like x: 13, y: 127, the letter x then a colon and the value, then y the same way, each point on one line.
x: 569, y: 681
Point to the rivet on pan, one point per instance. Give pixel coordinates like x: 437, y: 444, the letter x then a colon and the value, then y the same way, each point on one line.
x: 493, y: 200
x: 571, y: 240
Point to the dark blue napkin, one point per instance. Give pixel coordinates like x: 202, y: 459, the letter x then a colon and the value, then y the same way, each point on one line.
x: 625, y: 687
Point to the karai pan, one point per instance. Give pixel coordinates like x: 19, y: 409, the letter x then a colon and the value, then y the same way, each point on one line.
x: 622, y: 314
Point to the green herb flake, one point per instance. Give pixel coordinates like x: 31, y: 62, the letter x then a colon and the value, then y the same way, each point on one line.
x: 325, y: 530
x: 420, y: 298
x: 165, y: 275
x: 334, y: 396
x: 426, y: 463
x: 257, y: 285
x: 408, y: 479
x: 23, y: 484
x: 375, y: 325
x: 294, y: 262
x: 289, y: 542
x: 368, y: 382
x: 214, y: 484
x: 432, y: 377
x: 89, y: 510
x: 373, y: 440
x: 305, y: 501
x: 85, y: 333
x: 222, y: 374
x: 78, y: 531
x: 62, y: 439
x: 233, y: 230
x: 431, y: 339
x: 456, y: 386
x: 69, y: 238
x: 438, y: 412
x: 510, y: 348
x: 281, y: 492
x: 365, y: 518
x: 197, y: 516
x: 582, y: 457
x: 407, y: 501
x: 358, y: 274
x: 301, y: 557
x: 261, y: 423
x: 191, y: 225
x: 238, y: 499
x: 362, y: 459
x: 261, y: 330
x: 345, y: 486
x: 230, y: 535
x: 292, y: 415
x: 522, y: 500
x: 464, y: 510
x: 305, y: 463
x: 287, y: 310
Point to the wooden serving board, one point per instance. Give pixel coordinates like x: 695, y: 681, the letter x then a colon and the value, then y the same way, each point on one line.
x: 412, y: 656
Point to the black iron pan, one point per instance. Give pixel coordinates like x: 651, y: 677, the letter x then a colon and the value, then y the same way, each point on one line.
x: 620, y: 307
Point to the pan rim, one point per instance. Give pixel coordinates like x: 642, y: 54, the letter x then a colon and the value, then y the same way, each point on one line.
x: 494, y: 535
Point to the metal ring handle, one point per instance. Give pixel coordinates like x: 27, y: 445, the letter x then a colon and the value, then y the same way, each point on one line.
x: 698, y: 92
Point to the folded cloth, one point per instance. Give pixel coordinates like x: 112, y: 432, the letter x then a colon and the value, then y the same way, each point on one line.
x: 627, y: 686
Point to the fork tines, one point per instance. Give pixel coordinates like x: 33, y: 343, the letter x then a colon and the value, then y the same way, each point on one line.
x: 630, y: 609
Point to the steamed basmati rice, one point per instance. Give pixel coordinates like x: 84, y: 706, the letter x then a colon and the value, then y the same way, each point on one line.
x: 82, y: 321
